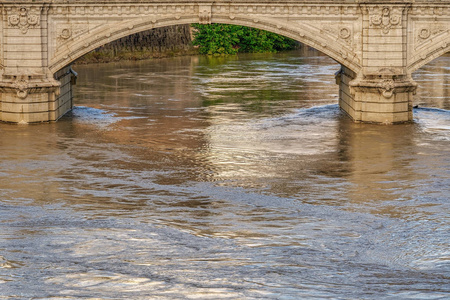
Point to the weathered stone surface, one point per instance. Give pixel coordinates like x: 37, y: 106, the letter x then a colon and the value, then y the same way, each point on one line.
x: 158, y: 42
x: 379, y: 43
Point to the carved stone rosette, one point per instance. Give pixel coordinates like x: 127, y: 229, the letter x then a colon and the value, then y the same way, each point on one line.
x: 343, y: 33
x: 426, y: 32
x: 66, y: 33
x: 24, y: 19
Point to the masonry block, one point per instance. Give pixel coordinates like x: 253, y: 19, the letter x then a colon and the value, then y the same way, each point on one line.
x: 26, y: 100
x: 378, y: 100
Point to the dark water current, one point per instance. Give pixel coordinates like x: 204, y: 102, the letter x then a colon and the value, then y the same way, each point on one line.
x: 226, y: 178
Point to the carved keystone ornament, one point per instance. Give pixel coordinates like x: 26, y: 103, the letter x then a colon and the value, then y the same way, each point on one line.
x: 204, y: 14
x: 387, y: 88
x: 21, y: 84
x: 24, y: 20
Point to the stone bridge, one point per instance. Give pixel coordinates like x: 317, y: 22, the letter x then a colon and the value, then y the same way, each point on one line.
x: 379, y: 44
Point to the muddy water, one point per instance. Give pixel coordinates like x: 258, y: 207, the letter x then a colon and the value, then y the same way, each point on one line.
x: 226, y: 178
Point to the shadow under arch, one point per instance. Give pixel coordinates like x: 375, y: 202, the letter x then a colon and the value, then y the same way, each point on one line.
x: 84, y: 43
x: 433, y: 81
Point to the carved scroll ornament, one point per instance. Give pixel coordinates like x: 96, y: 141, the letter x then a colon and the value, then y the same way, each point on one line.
x: 24, y: 20
x: 386, y: 18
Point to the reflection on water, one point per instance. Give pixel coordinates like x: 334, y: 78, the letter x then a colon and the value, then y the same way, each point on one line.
x: 434, y: 79
x: 229, y: 178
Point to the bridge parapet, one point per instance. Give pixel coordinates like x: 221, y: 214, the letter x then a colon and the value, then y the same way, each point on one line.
x: 379, y: 43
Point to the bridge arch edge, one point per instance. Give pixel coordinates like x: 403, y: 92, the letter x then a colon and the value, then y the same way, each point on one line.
x: 429, y: 54
x: 81, y: 45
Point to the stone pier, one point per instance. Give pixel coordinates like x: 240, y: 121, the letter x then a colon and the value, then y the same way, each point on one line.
x: 376, y: 99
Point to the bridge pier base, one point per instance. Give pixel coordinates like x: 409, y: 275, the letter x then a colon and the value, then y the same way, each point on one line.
x: 376, y: 99
x: 32, y: 99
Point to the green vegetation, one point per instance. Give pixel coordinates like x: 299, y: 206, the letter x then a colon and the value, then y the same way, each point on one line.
x: 222, y: 39
x: 214, y: 39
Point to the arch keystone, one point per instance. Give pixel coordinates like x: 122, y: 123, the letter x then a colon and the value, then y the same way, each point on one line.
x: 205, y: 13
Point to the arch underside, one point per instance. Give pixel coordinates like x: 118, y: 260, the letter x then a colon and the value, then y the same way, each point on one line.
x: 305, y: 33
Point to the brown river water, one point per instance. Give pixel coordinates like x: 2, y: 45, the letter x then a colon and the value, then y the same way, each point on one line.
x: 226, y: 178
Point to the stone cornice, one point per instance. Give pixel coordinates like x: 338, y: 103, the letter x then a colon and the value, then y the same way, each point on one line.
x: 257, y: 2
x: 103, y: 2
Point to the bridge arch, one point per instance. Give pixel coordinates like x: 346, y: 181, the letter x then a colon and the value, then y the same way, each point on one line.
x: 84, y: 43
x: 378, y: 43
x: 435, y: 48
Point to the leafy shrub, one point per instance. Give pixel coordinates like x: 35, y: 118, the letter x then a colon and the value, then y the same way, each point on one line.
x: 222, y: 39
